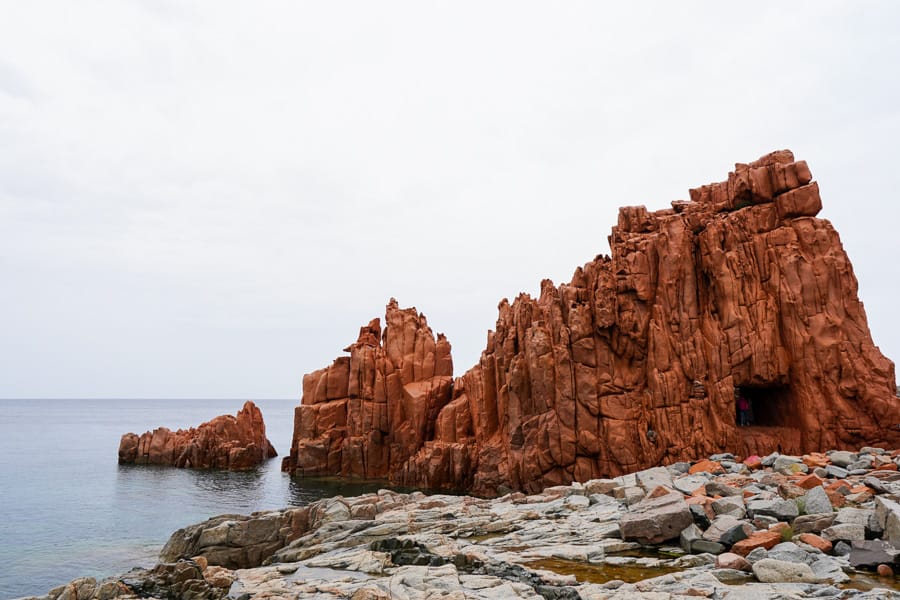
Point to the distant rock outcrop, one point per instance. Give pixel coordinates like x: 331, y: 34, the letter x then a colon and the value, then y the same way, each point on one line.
x: 236, y: 443
x: 636, y: 362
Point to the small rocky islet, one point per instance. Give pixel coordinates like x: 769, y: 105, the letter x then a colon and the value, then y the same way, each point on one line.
x: 235, y: 443
x: 820, y: 525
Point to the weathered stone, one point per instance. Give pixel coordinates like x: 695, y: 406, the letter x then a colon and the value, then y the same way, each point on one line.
x: 729, y: 505
x: 600, y: 486
x: 717, y: 488
x: 841, y: 548
x: 633, y: 363
x: 789, y: 465
x: 817, y: 542
x: 689, y: 483
x: 826, y: 568
x: 816, y: 501
x: 868, y: 554
x: 655, y: 477
x: 841, y: 458
x: 846, y: 532
x: 226, y: 442
x: 237, y: 541
x: 859, y: 516
x: 769, y: 570
x: 783, y: 510
x: 887, y: 514
x: 707, y: 547
x: 757, y: 539
x: 730, y: 560
x: 655, y: 520
x: 727, y: 530
x: 836, y: 472
x: 689, y: 535
x: 699, y: 515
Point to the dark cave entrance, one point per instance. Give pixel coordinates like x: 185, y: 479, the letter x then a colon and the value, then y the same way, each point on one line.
x: 769, y: 405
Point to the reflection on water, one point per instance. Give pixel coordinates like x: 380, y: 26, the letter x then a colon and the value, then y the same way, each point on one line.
x: 304, y: 490
x: 75, y: 511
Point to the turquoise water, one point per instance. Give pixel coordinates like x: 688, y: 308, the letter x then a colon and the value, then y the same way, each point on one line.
x: 69, y: 509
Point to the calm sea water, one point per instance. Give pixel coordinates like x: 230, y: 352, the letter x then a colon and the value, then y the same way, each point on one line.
x: 70, y: 510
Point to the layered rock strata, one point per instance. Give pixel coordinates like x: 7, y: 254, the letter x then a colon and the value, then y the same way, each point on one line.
x: 226, y: 442
x: 633, y: 363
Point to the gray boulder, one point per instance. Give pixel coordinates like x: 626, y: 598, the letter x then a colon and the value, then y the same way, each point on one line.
x: 783, y: 510
x: 240, y: 541
x: 868, y: 554
x: 729, y: 505
x: 727, y: 530
x: 859, y: 516
x: 656, y: 520
x: 845, y: 531
x: 689, y: 535
x: 816, y: 501
x: 813, y: 523
x: 689, y: 483
x: 887, y: 514
x: 652, y: 478
x: 836, y: 472
x: 769, y: 570
x: 842, y: 458
x: 789, y: 465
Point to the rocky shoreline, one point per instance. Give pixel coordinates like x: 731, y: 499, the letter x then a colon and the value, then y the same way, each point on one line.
x: 811, y: 526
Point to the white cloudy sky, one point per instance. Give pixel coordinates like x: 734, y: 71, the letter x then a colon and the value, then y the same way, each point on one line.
x: 207, y: 199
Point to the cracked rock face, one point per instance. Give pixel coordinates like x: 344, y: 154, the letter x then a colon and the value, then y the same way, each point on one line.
x: 633, y: 363
x: 226, y: 442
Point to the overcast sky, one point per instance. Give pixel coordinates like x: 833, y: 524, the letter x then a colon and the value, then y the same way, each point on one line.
x: 208, y: 199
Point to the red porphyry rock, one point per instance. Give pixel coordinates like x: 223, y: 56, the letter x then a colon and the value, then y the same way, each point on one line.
x: 815, y: 459
x: 706, y: 466
x: 757, y: 539
x: 753, y: 462
x: 236, y: 443
x: 368, y: 414
x: 808, y: 482
x: 816, y: 542
x: 633, y: 363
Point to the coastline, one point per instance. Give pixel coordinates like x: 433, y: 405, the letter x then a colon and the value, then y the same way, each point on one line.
x: 717, y: 528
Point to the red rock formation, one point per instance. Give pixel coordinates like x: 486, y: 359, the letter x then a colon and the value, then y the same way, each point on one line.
x: 633, y: 363
x: 370, y: 412
x: 236, y: 443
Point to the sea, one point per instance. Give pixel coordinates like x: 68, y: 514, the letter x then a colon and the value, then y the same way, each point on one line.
x: 70, y: 510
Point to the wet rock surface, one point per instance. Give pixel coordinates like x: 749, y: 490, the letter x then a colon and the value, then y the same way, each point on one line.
x: 226, y: 442
x: 632, y: 364
x: 570, y: 541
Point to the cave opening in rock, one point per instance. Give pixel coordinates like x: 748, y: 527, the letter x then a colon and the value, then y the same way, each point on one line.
x: 769, y: 405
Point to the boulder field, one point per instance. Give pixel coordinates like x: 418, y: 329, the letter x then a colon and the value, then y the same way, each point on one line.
x: 635, y: 362
x: 226, y: 442
x: 766, y: 528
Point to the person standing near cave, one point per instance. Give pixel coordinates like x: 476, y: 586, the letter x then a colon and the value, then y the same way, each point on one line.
x: 743, y: 408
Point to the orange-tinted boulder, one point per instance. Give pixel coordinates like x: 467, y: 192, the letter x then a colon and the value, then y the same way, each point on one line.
x: 757, y: 539
x: 816, y: 541
x: 633, y: 363
x: 237, y: 443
